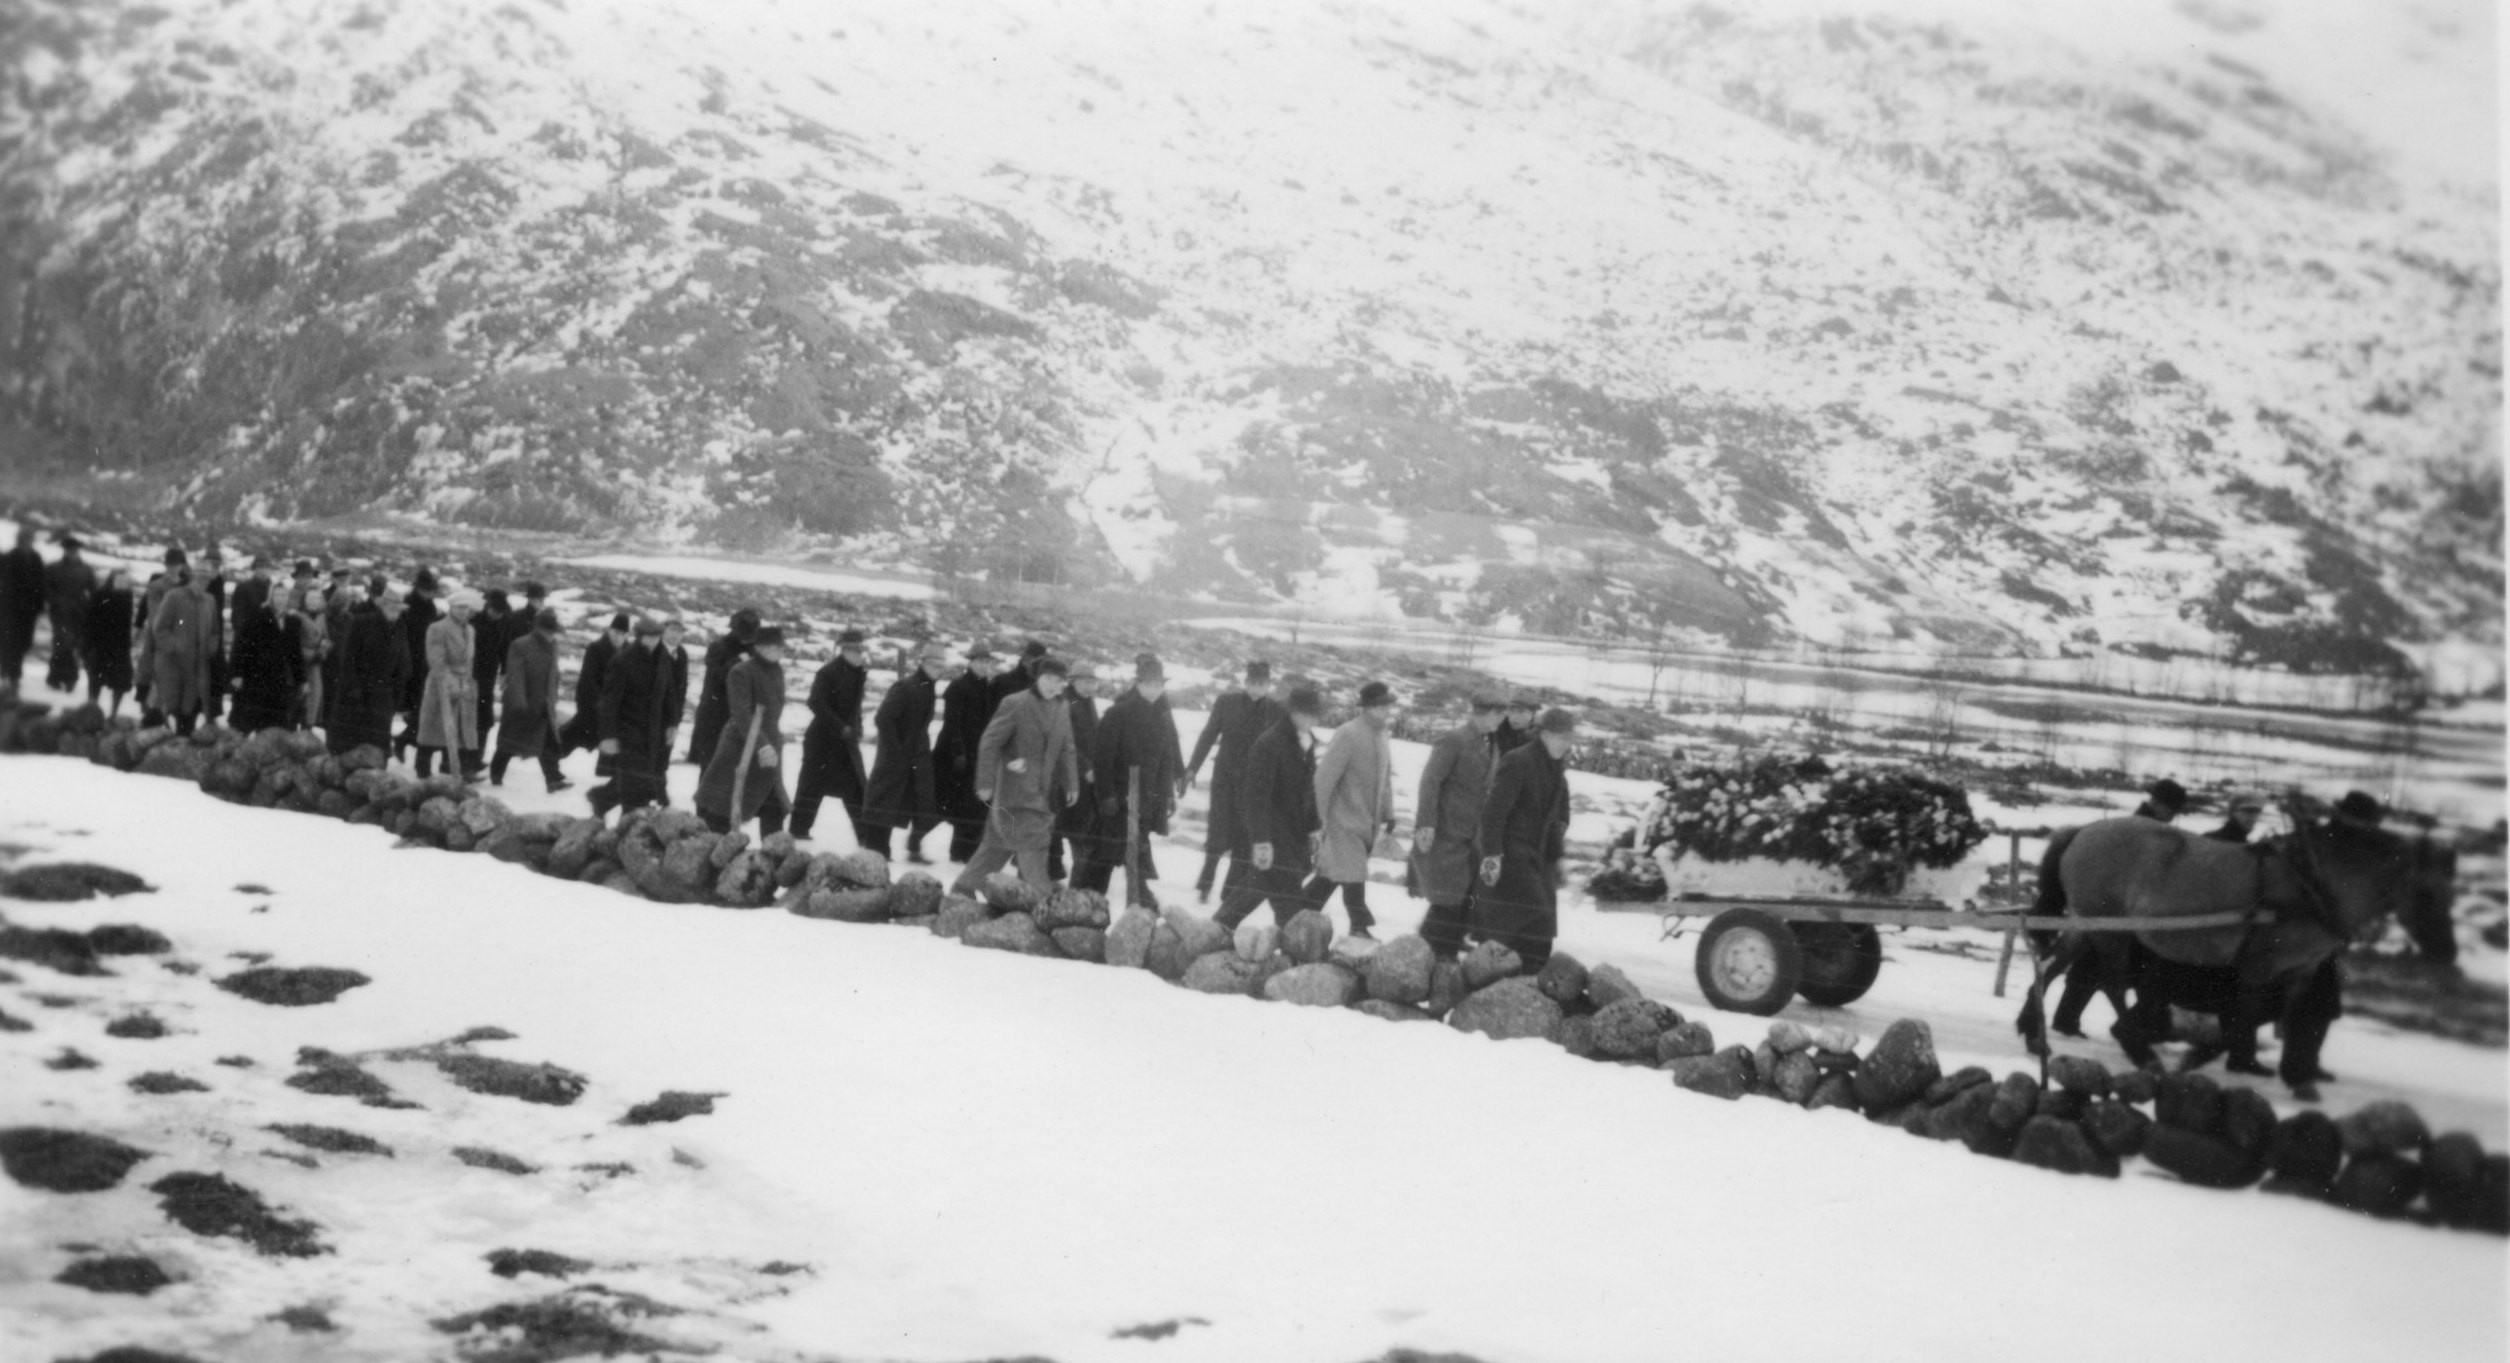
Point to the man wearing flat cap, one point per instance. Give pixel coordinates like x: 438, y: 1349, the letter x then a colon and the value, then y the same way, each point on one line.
x: 1525, y: 826
x: 832, y: 747
x: 901, y: 793
x: 1446, y: 823
x: 968, y: 705
x: 1139, y: 767
x: 745, y: 778
x: 640, y: 711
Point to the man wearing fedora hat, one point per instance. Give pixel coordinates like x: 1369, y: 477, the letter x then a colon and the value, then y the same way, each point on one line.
x: 1282, y: 828
x: 640, y: 711
x: 1525, y: 825
x: 745, y: 778
x: 1136, y: 755
x: 968, y: 705
x: 1238, y: 718
x: 1355, y: 800
x: 832, y: 747
x: 1074, y: 825
x: 901, y: 791
x: 728, y: 648
x: 1446, y: 823
x: 583, y: 728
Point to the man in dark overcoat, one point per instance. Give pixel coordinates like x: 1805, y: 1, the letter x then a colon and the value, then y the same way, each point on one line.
x: 901, y: 793
x: 530, y: 726
x: 1517, y: 728
x: 21, y: 603
x: 493, y: 631
x: 1137, y: 738
x: 639, y: 715
x: 733, y: 646
x: 1019, y: 676
x: 583, y: 728
x: 374, y: 662
x: 69, y: 587
x: 967, y: 706
x: 1525, y: 825
x: 420, y: 613
x: 745, y: 778
x: 832, y: 747
x: 1446, y: 823
x: 1277, y: 802
x: 1076, y: 824
x: 1237, y: 719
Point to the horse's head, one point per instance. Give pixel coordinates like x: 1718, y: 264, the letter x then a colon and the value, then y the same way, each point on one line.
x: 2371, y: 874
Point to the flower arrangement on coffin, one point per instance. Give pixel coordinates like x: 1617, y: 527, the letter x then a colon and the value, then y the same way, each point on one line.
x: 1870, y: 825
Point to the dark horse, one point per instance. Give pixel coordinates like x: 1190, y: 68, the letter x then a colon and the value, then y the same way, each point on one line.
x: 2304, y: 896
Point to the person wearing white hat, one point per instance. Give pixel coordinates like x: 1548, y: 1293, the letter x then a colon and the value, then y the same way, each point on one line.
x: 448, y: 706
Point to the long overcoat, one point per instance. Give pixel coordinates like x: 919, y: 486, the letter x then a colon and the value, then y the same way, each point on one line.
x: 902, y: 767
x: 1136, y: 733
x: 179, y: 649
x: 1280, y: 796
x: 1037, y: 733
x: 68, y: 583
x: 452, y: 685
x: 1079, y: 819
x: 529, y: 725
x: 832, y: 747
x: 712, y: 705
x: 269, y: 667
x: 753, y: 697
x: 21, y: 598
x: 583, y: 728
x: 418, y: 617
x: 1355, y: 795
x: 1525, y: 822
x: 1453, y: 786
x: 107, y: 637
x: 967, y: 707
x: 639, y: 708
x: 374, y: 666
x: 1237, y: 720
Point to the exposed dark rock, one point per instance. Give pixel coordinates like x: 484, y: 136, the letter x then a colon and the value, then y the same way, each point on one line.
x: 292, y: 986
x: 1507, y: 1009
x: 1577, y: 1035
x: 127, y: 939
x: 207, y: 1204
x: 1010, y: 894
x: 1627, y: 1028
x: 131, y: 1353
x: 58, y: 949
x: 1684, y: 1040
x: 1606, y: 985
x: 480, y: 1157
x: 1071, y: 908
x: 304, y: 1320
x: 2388, y: 1128
x: 71, y: 1058
x: 2116, y: 1127
x: 166, y: 1081
x: 1487, y: 963
x: 1316, y: 986
x: 2190, y: 1102
x: 2206, y: 1161
x: 130, y: 1274
x: 2453, y: 1178
x: 2048, y: 1143
x: 1082, y: 944
x: 671, y: 1107
x: 1899, y: 1067
x: 1307, y: 937
x: 2378, y: 1183
x: 578, y: 1324
x: 1391, y: 1012
x: 62, y: 1161
x: 11, y: 1023
x: 958, y: 914
x: 1795, y: 1077
x: 66, y: 881
x: 513, y: 1263
x: 2136, y: 1086
x: 2307, y: 1148
x: 336, y: 1076
x: 1220, y: 972
x: 2076, y: 1074
x: 1562, y: 980
x: 1446, y: 987
x: 1400, y: 971
x: 1128, y: 942
x: 1835, y: 1090
x: 330, y: 1139
x: 1011, y: 932
x: 1726, y: 1074
x: 137, y: 1027
x: 2248, y: 1121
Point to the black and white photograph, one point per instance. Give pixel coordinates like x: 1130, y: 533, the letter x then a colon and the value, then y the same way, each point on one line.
x: 820, y: 681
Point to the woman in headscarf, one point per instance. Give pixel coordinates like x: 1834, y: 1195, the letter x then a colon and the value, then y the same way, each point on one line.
x: 448, y: 706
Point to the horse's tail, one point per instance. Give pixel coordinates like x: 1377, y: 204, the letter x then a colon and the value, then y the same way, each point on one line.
x: 2050, y: 900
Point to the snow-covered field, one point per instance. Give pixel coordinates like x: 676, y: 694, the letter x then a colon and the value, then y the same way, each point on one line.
x: 977, y: 1155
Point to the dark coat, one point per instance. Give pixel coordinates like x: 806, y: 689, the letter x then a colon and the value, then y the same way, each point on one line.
x: 181, y: 637
x: 1507, y: 738
x: 374, y: 671
x: 1525, y: 822
x: 1081, y: 816
x: 1454, y: 785
x: 69, y: 581
x: 420, y: 613
x: 583, y: 729
x: 1237, y: 720
x: 2230, y: 832
x: 901, y: 790
x: 1279, y: 795
x: 638, y: 711
x: 832, y: 747
x: 1137, y: 733
x: 107, y: 638
x: 494, y: 636
x: 967, y: 707
x: 753, y: 698
x: 530, y: 723
x: 21, y: 597
x: 711, y: 706
x: 269, y: 667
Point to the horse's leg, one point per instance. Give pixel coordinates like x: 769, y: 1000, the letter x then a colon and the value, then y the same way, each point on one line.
x: 2085, y: 979
x: 2136, y: 1029
x: 2031, y: 1022
x: 2312, y: 1011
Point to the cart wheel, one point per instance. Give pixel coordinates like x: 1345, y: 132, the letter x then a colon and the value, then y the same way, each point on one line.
x: 1748, y: 962
x: 1840, y: 961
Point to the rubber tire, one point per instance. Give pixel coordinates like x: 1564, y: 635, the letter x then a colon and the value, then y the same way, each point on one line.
x: 1749, y: 962
x: 1841, y: 961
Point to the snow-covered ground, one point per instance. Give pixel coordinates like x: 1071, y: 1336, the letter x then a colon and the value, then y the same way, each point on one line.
x: 978, y: 1155
x: 808, y: 576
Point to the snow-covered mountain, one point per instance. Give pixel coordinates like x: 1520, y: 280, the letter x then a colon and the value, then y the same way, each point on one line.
x: 1992, y: 326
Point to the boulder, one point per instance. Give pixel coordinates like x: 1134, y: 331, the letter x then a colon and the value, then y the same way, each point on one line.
x: 2076, y: 1074
x: 1606, y: 985
x: 689, y: 866
x: 671, y: 825
x: 1506, y: 1009
x: 1307, y: 937
x: 2206, y: 1161
x: 1082, y: 944
x: 1317, y: 986
x: 2048, y: 1143
x: 2116, y: 1127
x: 748, y: 881
x: 2492, y: 1194
x: 1128, y: 941
x: 1196, y: 935
x: 1834, y: 1090
x: 335, y: 804
x: 1967, y: 1117
x: 1354, y: 954
x: 1726, y: 1074
x: 915, y: 895
x: 179, y: 761
x: 459, y: 838
x: 1265, y: 969
x: 1167, y: 956
x: 1899, y: 1067
x: 600, y: 872
x: 2136, y: 1085
x: 1399, y: 972
x: 861, y: 870
x: 727, y: 846
x: 2015, y: 1103
x: 436, y: 815
x: 1070, y: 908
x: 2190, y: 1102
x: 1943, y: 1090
x: 1577, y: 1035
x: 1256, y: 941
x: 793, y: 866
x: 573, y: 850
x: 1487, y: 964
x: 956, y: 915
x: 1684, y: 1040
x: 2389, y: 1128
x: 777, y: 846
x: 1010, y: 932
x: 505, y: 844
x: 1786, y: 1038
x: 1562, y: 979
x: 1007, y: 893
x: 2307, y: 1148
x: 2065, y: 1105
x: 2453, y: 1178
x: 485, y: 814
x: 1219, y: 972
x: 1446, y: 988
x: 1795, y: 1077
x: 2378, y: 1183
x: 1626, y: 1029
x: 2248, y: 1121
x: 1391, y: 1012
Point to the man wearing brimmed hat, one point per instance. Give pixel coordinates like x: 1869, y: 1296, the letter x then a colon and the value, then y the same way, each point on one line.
x: 1282, y: 828
x: 2164, y: 801
x: 1140, y: 770
x: 1238, y: 718
x: 1026, y: 774
x: 1075, y: 824
x: 832, y: 746
x: 1014, y: 679
x: 530, y: 725
x: 1525, y: 827
x: 967, y: 707
x: 448, y: 711
x: 69, y: 588
x: 583, y: 728
x: 1516, y: 726
x: 901, y: 792
x: 745, y: 778
x: 1446, y: 823
x: 373, y: 661
x: 726, y: 650
x: 1355, y: 799
x: 640, y: 711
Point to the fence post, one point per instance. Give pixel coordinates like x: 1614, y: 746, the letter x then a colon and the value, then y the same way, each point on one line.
x: 2013, y: 888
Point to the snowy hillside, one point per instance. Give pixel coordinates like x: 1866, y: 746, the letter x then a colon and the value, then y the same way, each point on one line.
x: 1784, y: 321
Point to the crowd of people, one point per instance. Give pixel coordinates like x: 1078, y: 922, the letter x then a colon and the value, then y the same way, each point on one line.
x: 1029, y: 773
